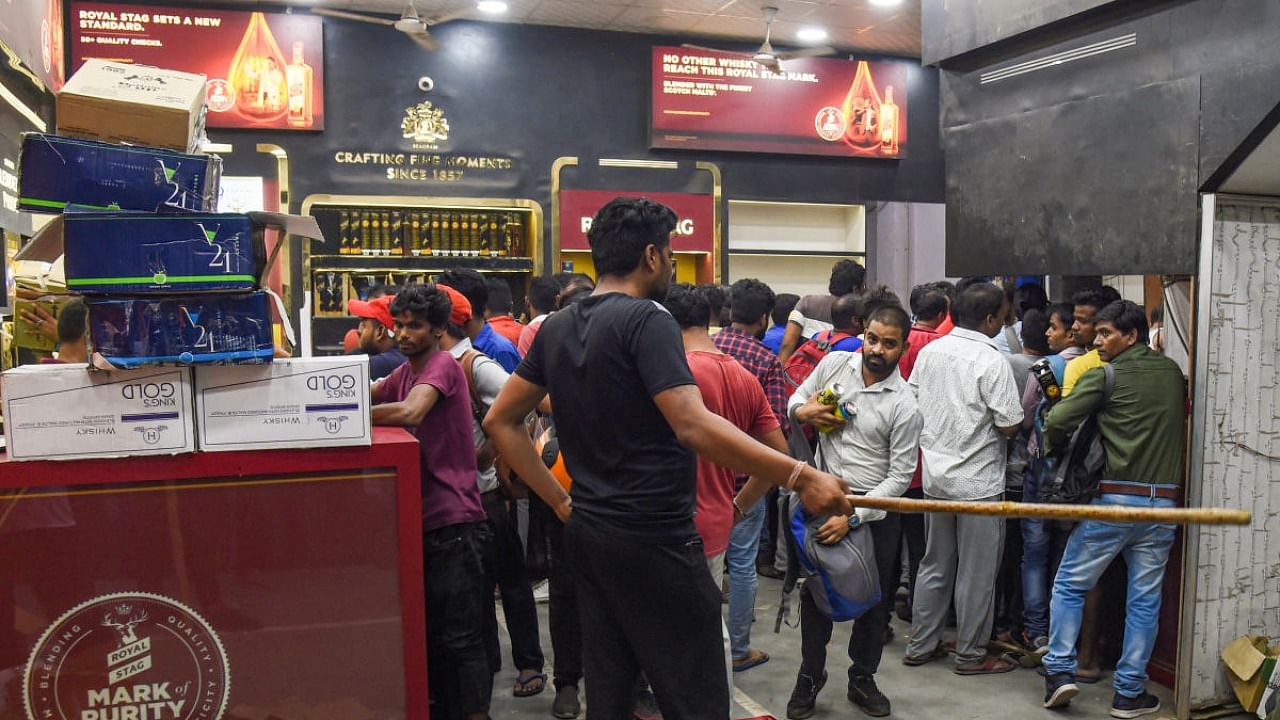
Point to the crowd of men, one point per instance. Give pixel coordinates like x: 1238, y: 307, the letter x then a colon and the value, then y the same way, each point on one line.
x: 639, y: 434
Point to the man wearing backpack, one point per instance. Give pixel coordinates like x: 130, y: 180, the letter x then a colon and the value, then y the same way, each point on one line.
x: 872, y: 446
x: 504, y: 564
x: 1142, y: 425
x: 813, y: 313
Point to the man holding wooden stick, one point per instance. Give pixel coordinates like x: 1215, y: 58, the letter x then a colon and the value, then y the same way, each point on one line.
x: 1142, y: 429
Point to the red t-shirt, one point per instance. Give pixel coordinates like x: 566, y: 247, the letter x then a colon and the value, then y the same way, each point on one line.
x: 528, y: 333
x: 449, y: 491
x: 732, y: 392
x: 507, y: 327
x: 916, y: 340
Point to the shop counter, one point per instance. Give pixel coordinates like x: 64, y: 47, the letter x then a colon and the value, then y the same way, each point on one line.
x: 283, y: 584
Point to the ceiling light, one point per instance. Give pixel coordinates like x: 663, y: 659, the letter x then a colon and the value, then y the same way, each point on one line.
x: 812, y: 34
x: 493, y: 7
x: 886, y: 3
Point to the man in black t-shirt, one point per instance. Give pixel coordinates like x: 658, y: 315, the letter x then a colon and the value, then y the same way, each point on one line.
x: 629, y: 419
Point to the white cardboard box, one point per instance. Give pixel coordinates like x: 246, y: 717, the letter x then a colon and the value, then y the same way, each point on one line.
x: 291, y: 403
x: 66, y: 412
x: 136, y: 104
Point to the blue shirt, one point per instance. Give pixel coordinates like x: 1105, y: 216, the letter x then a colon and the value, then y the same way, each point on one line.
x: 382, y: 364
x: 773, y: 338
x: 497, y: 347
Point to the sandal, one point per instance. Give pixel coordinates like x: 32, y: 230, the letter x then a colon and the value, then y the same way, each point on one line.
x: 988, y: 665
x: 752, y: 659
x: 938, y: 653
x: 529, y: 683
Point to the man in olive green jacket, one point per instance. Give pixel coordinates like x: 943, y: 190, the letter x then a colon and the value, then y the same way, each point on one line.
x: 1142, y: 426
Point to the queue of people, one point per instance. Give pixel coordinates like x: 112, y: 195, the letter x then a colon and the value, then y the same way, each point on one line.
x: 664, y: 435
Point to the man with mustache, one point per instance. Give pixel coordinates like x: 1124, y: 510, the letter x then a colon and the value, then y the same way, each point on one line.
x: 871, y: 446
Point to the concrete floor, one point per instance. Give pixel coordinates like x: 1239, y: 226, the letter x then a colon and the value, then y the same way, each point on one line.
x: 931, y: 691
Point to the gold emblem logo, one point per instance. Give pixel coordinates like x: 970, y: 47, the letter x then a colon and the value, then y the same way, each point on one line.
x: 424, y: 123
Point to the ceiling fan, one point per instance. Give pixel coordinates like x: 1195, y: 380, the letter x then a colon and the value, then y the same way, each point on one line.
x: 765, y: 56
x: 410, y: 22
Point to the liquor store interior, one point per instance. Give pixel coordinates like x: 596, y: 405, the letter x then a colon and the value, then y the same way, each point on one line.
x: 374, y: 359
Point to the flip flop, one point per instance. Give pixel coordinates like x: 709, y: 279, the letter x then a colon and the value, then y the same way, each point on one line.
x: 529, y: 683
x: 989, y: 665
x: 752, y: 659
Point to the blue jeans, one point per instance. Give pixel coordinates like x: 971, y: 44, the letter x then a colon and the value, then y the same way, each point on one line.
x: 1092, y: 547
x: 1035, y: 558
x: 744, y: 541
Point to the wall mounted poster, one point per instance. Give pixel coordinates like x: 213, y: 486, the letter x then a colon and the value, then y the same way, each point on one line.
x: 265, y: 70
x: 707, y: 100
x: 32, y: 30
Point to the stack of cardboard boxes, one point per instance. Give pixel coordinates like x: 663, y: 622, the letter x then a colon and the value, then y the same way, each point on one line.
x: 167, y: 281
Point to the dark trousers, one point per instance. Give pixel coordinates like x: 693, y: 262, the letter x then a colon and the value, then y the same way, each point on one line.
x: 458, y: 673
x: 913, y: 543
x: 648, y: 608
x: 866, y: 642
x: 566, y: 624
x: 505, y: 568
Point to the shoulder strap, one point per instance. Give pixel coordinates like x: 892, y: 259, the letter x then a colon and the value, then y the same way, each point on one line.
x: 1109, y: 381
x: 467, y: 361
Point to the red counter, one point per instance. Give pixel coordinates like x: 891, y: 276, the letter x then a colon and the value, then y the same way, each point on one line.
x: 247, y: 585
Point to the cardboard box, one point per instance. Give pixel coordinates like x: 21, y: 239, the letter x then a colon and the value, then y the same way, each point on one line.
x: 55, y: 172
x: 136, y: 104
x: 143, y: 254
x: 215, y: 329
x: 65, y: 412
x: 1252, y: 670
x: 298, y: 402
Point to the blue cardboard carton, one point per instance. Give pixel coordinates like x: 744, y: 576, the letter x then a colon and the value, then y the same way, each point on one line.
x: 55, y: 172
x: 141, y: 253
x: 209, y: 329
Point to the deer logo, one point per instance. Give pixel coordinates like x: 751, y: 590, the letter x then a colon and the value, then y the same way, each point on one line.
x: 151, y: 435
x: 332, y: 425
x: 126, y: 628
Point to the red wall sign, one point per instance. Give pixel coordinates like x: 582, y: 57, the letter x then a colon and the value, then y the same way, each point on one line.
x: 265, y: 70
x: 32, y: 29
x: 695, y: 230
x: 707, y: 100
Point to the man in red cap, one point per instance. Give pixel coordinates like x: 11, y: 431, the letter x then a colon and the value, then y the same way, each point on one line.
x: 376, y: 337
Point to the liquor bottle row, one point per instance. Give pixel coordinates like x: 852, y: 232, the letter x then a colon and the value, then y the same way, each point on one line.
x: 431, y: 232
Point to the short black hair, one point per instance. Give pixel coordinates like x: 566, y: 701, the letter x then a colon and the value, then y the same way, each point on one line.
x: 574, y: 295
x: 425, y: 302
x: 928, y: 301
x: 623, y: 228
x: 970, y: 281
x: 749, y: 300
x: 975, y: 302
x: 947, y: 287
x: 1063, y: 311
x: 847, y: 276
x: 1091, y: 297
x: 565, y: 279
x: 542, y: 294
x: 499, y: 296
x: 1034, y: 324
x: 716, y: 298
x: 782, y: 307
x: 73, y: 321
x: 380, y: 290
x: 471, y: 285
x: 1109, y: 295
x: 874, y: 299
x: 1029, y: 296
x: 844, y: 311
x: 688, y: 305
x: 1126, y: 315
x: 892, y: 315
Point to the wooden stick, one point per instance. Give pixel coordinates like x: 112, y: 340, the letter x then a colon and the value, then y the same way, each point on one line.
x: 1049, y: 511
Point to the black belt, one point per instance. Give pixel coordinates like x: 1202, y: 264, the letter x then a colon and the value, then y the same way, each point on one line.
x: 1169, y: 492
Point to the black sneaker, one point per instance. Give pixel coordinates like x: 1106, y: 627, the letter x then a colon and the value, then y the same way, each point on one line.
x: 1059, y: 688
x: 864, y: 693
x: 1126, y: 707
x: 566, y: 706
x: 803, y: 697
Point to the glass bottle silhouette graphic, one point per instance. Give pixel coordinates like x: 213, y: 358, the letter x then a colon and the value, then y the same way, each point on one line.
x: 258, y: 73
x: 299, y: 76
x: 888, y: 124
x: 862, y: 106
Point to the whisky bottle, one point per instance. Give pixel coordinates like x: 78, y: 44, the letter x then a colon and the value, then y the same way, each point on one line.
x: 498, y: 225
x: 435, y: 239
x: 425, y: 237
x: 415, y: 235
x: 365, y: 237
x: 299, y: 78
x: 397, y: 235
x: 384, y: 218
x: 517, y: 236
x: 888, y: 124
x: 344, y: 233
x: 486, y: 234
x: 475, y: 234
x: 455, y: 227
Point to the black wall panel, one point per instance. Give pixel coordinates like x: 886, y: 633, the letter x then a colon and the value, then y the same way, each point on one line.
x: 955, y: 27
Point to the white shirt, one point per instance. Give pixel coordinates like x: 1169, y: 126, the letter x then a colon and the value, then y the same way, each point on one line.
x: 489, y: 378
x: 966, y: 390
x: 875, y: 452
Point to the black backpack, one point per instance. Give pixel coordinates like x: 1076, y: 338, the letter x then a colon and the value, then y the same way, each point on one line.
x: 1081, y: 464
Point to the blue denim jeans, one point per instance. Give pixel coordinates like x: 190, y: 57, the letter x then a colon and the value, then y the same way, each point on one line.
x: 744, y: 541
x: 1092, y: 547
x: 1035, y: 558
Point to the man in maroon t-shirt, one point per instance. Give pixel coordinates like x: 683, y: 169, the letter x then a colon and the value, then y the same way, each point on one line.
x: 428, y: 395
